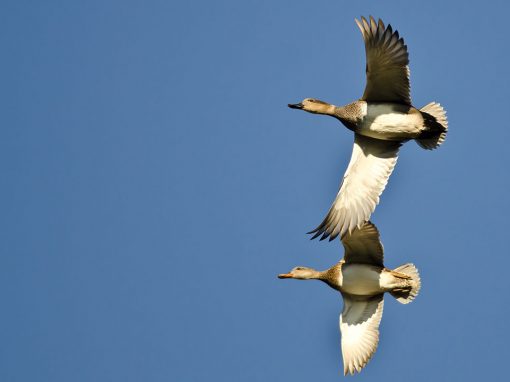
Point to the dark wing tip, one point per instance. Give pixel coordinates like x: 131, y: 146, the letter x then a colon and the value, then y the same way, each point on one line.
x: 317, y: 234
x: 333, y: 237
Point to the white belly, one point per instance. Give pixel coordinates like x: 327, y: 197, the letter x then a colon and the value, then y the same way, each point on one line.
x: 361, y: 279
x: 391, y: 122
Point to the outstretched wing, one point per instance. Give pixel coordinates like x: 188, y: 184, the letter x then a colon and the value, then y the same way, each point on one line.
x: 359, y: 326
x: 371, y: 165
x: 387, y: 63
x: 364, y: 246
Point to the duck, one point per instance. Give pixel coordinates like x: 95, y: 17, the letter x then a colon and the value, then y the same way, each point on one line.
x: 382, y: 120
x: 362, y: 279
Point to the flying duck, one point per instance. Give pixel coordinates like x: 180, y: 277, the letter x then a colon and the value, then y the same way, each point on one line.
x: 382, y: 120
x: 362, y: 280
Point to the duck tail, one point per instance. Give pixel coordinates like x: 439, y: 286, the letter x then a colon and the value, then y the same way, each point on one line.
x: 436, y: 126
x: 410, y: 273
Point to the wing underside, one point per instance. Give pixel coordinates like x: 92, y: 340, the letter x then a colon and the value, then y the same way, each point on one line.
x: 359, y: 327
x: 372, y: 162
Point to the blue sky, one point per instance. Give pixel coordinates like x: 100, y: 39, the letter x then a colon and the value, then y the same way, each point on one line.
x: 155, y: 183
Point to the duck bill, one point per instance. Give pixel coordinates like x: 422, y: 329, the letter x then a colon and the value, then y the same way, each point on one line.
x: 285, y: 276
x: 296, y: 105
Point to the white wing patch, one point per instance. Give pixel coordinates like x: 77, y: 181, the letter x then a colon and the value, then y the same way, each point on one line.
x: 359, y: 327
x: 371, y: 165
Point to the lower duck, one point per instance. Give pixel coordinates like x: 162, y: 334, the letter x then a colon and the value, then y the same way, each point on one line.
x: 362, y: 280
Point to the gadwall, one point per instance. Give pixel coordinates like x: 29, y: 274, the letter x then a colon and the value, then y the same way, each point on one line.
x: 362, y: 280
x: 381, y: 120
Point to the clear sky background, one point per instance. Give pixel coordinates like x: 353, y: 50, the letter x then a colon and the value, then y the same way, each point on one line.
x: 154, y: 183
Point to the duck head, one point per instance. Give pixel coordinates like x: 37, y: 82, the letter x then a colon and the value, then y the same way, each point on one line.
x: 315, y: 106
x: 300, y: 273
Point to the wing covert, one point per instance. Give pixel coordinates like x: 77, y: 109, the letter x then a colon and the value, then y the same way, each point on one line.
x: 363, y: 246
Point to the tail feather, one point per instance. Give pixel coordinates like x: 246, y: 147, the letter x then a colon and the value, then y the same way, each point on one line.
x: 406, y: 295
x: 435, y: 119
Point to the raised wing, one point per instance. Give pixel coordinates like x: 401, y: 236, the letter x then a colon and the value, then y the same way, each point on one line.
x: 364, y: 246
x: 387, y: 63
x: 371, y: 165
x: 359, y: 325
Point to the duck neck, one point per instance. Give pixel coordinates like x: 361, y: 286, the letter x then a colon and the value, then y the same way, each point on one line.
x: 313, y: 275
x: 329, y: 110
x: 320, y: 107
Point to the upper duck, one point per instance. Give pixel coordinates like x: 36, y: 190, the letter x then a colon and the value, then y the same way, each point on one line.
x: 381, y: 120
x: 362, y: 279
